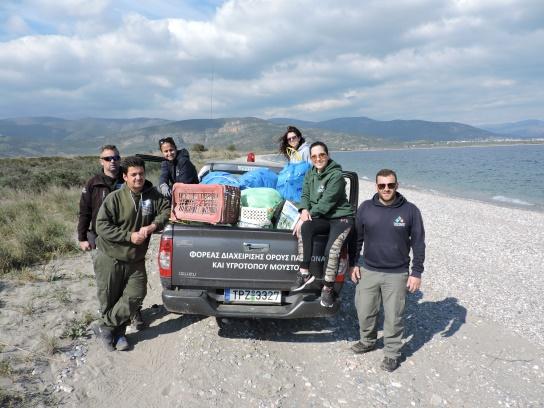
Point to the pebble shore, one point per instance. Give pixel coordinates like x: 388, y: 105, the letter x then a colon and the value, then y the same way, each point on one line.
x: 487, y: 257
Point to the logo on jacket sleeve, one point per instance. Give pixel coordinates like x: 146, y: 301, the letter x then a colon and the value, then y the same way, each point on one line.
x: 399, y: 222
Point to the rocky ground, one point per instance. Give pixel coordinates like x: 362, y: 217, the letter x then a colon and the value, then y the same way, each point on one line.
x: 473, y: 335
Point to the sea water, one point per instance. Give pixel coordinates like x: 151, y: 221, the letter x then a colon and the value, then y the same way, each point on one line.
x: 506, y: 175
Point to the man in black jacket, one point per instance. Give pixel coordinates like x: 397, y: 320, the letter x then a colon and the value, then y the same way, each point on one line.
x: 94, y: 192
x: 388, y: 226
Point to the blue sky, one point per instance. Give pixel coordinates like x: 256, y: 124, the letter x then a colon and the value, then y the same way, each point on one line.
x: 458, y: 60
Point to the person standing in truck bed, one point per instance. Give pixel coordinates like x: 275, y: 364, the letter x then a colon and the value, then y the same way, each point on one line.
x: 176, y: 168
x: 124, y: 225
x: 324, y: 209
x: 294, y: 147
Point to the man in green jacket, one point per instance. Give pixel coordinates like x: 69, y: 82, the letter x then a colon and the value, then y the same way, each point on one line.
x: 124, y: 225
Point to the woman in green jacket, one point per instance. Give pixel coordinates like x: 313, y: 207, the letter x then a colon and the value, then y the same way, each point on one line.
x: 324, y: 209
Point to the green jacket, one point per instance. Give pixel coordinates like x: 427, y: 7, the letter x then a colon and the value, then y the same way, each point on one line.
x: 324, y: 194
x: 123, y: 213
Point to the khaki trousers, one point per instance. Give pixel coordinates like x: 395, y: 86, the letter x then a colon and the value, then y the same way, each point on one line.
x: 121, y: 288
x: 373, y: 289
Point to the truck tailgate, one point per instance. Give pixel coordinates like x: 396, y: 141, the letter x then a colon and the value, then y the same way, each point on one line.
x: 219, y: 257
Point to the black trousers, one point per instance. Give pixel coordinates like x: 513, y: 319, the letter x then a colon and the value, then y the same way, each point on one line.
x: 338, y: 230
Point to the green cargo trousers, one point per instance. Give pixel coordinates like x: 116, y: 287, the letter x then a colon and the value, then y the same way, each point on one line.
x: 373, y: 289
x: 121, y: 288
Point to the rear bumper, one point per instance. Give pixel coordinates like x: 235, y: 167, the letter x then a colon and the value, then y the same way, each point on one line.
x: 191, y: 301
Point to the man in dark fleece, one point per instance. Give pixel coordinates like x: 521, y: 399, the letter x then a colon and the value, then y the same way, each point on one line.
x: 388, y: 226
x: 93, y: 194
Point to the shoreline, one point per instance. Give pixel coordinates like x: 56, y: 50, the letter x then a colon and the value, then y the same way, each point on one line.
x: 482, y: 255
x: 533, y: 208
x: 379, y: 149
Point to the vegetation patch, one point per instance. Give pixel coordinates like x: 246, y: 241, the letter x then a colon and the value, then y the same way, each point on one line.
x: 11, y: 399
x: 78, y: 327
x: 40, y: 205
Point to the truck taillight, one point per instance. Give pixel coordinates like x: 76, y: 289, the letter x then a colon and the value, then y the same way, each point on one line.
x: 165, y: 257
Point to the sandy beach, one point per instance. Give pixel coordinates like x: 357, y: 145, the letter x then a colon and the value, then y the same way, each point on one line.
x: 474, y: 335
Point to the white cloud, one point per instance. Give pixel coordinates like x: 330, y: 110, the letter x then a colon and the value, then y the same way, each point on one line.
x: 425, y: 59
x: 16, y: 25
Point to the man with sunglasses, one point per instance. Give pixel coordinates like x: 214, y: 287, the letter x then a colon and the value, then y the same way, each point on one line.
x: 96, y: 189
x: 388, y: 226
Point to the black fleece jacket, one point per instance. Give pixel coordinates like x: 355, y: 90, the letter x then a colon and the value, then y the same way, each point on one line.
x: 388, y: 232
x: 179, y: 170
x: 93, y: 194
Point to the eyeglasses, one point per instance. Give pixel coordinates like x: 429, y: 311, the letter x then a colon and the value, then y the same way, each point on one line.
x: 111, y: 158
x: 314, y: 157
x: 289, y: 139
x: 390, y: 186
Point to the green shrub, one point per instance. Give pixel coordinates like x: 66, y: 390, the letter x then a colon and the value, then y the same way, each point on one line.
x: 198, y: 147
x: 40, y: 204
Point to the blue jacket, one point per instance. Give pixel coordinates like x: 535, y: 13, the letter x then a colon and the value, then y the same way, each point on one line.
x: 179, y: 170
x: 388, y: 232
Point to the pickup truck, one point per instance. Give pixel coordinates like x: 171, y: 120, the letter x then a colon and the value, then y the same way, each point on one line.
x: 228, y: 271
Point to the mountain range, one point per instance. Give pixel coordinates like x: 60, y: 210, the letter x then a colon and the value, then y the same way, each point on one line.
x: 48, y: 136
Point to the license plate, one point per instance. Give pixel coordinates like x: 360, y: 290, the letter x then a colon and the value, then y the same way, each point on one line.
x: 252, y: 296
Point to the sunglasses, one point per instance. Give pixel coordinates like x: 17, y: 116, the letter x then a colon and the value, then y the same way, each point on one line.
x: 292, y: 138
x: 314, y: 157
x: 166, y: 140
x: 111, y: 158
x: 390, y: 186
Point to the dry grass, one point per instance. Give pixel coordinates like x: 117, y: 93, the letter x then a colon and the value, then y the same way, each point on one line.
x: 49, y: 344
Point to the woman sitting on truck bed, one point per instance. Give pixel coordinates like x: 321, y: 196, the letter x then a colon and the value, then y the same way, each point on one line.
x: 177, y: 168
x: 324, y: 208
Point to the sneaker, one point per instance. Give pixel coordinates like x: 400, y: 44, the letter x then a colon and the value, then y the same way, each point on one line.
x: 302, y: 281
x: 389, y: 364
x: 104, y: 334
x: 122, y: 343
x: 360, y: 348
x: 137, y: 322
x: 327, y: 297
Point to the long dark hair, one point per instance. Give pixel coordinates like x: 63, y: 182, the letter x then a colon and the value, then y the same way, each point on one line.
x: 283, y: 140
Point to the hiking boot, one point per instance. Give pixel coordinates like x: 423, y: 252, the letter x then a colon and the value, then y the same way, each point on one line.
x: 104, y: 334
x: 122, y: 343
x: 389, y: 364
x: 137, y: 322
x: 327, y: 297
x: 302, y: 281
x: 360, y: 348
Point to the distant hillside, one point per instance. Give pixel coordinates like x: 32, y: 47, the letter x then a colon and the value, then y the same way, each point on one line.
x: 527, y: 129
x: 53, y: 137
x: 45, y: 136
x: 397, y: 130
